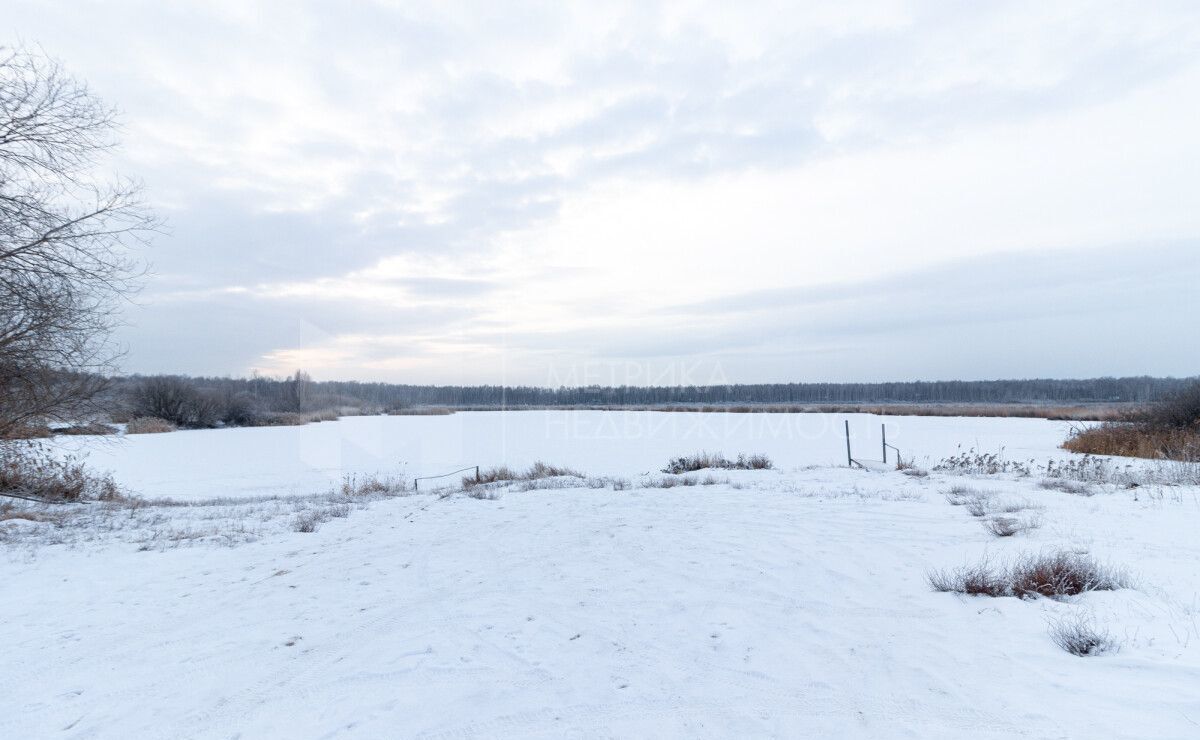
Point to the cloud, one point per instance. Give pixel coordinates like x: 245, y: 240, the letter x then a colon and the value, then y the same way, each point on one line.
x: 530, y: 185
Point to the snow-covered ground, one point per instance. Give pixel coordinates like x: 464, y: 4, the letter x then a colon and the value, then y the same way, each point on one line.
x: 311, y: 458
x: 787, y: 603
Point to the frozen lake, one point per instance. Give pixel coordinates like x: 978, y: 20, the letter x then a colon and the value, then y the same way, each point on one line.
x: 312, y: 458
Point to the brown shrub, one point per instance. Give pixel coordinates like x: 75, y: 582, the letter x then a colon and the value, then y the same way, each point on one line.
x: 372, y: 485
x: 537, y: 471
x: 1133, y: 439
x: 91, y: 428
x: 27, y: 431
x: 973, y: 580
x: 27, y: 471
x: 703, y: 460
x: 149, y: 425
x: 1047, y: 574
x: 1062, y: 574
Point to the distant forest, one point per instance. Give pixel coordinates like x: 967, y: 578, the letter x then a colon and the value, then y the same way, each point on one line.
x: 299, y: 392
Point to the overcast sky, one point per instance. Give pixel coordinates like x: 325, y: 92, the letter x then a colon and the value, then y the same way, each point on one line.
x: 643, y: 193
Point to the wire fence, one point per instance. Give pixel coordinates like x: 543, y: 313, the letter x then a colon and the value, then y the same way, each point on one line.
x: 417, y: 481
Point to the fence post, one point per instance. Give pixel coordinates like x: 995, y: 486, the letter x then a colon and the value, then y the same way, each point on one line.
x: 476, y: 473
x: 883, y: 428
x: 849, y: 459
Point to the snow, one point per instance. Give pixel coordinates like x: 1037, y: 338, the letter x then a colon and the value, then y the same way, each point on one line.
x: 781, y: 603
x: 312, y: 458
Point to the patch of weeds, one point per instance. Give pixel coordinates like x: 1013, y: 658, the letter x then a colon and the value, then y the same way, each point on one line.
x: 704, y: 460
x: 373, y: 486
x: 1053, y: 575
x: 1007, y: 526
x: 1062, y: 574
x: 982, y: 463
x: 538, y: 471
x: 1075, y: 488
x: 307, y: 522
x: 27, y: 470
x: 975, y: 580
x: 1079, y: 636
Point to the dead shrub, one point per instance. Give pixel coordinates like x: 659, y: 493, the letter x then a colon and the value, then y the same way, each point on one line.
x: 685, y: 481
x: 541, y: 470
x: 975, y: 580
x: 977, y: 507
x: 962, y: 495
x: 91, y: 428
x: 1078, y: 636
x: 704, y: 460
x: 1075, y: 488
x: 26, y: 431
x: 538, y: 471
x: 971, y: 462
x: 1062, y: 574
x: 149, y: 425
x: 1007, y: 526
x: 1132, y: 439
x: 1052, y: 575
x: 483, y: 494
x: 282, y: 419
x: 30, y: 471
x: 489, y: 475
x: 309, y: 521
x: 372, y: 485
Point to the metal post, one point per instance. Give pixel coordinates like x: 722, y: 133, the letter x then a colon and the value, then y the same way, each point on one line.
x: 883, y: 428
x: 476, y: 473
x: 849, y: 459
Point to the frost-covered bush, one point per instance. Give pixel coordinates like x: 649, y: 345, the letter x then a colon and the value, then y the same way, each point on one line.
x: 149, y: 425
x: 28, y: 471
x: 1078, y: 636
x: 704, y: 460
x: 1052, y: 574
x: 971, y: 462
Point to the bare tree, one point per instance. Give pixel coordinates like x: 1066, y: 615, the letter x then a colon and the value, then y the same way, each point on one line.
x: 66, y: 239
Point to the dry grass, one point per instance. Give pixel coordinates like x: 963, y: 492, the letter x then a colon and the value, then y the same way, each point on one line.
x: 27, y: 431
x: 1007, y: 526
x: 974, y: 580
x: 1075, y: 488
x: 421, y: 411
x: 1062, y: 574
x: 675, y: 481
x: 1077, y: 412
x: 971, y: 462
x: 704, y: 460
x: 28, y: 471
x: 538, y: 471
x: 1127, y: 439
x: 1078, y: 636
x: 149, y: 425
x: 372, y: 486
x: 91, y: 428
x: 1053, y: 575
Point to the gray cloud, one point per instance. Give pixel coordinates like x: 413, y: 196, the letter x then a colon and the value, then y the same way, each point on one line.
x: 307, y: 141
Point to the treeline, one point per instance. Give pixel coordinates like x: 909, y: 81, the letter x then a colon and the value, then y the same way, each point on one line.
x: 249, y: 400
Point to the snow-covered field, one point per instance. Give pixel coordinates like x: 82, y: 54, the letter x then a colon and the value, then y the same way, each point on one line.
x: 789, y: 603
x: 312, y: 458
